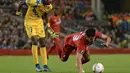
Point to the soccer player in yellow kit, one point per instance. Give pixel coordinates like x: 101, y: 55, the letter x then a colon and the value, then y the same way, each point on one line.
x: 34, y: 24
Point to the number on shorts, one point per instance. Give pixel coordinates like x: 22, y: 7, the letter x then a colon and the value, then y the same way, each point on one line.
x: 30, y: 29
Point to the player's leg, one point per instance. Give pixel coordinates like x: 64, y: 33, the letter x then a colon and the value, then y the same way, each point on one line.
x: 42, y: 42
x: 51, y: 48
x: 86, y: 57
x: 67, y: 49
x: 30, y: 31
x: 58, y: 46
x: 63, y: 52
x: 35, y: 53
x: 43, y: 54
x: 56, y: 30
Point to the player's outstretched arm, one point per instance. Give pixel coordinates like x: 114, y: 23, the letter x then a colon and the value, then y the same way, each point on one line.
x: 107, y: 38
x: 79, y: 63
x: 21, y: 3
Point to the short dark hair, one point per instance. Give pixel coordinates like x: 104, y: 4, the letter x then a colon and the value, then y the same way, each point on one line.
x: 90, y: 32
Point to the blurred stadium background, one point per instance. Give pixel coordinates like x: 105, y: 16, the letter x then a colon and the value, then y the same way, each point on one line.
x: 112, y: 17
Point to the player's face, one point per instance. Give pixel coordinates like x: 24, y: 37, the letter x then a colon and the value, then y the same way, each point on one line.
x: 90, y: 39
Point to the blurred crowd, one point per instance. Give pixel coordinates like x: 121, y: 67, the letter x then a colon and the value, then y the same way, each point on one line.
x: 12, y: 34
x: 6, y: 2
x: 75, y: 14
x: 121, y: 23
x: 75, y: 9
x: 119, y: 20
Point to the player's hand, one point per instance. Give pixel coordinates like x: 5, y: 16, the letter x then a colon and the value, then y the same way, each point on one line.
x: 105, y: 45
x: 53, y: 34
x: 18, y: 13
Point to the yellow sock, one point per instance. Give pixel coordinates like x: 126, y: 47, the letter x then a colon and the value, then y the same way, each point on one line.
x: 35, y: 53
x: 43, y: 55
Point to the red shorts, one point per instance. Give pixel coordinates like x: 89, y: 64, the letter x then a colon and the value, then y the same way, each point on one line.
x: 67, y: 49
x: 69, y: 44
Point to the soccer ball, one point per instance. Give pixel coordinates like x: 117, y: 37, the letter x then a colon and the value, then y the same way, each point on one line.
x: 98, y: 68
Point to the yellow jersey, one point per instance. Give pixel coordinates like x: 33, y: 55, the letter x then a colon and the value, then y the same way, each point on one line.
x: 35, y: 9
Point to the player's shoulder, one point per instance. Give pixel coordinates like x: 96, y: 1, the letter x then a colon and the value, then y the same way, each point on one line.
x: 98, y: 33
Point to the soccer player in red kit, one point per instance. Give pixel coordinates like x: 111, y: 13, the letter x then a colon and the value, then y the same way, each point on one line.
x: 55, y: 24
x: 55, y: 21
x: 80, y: 42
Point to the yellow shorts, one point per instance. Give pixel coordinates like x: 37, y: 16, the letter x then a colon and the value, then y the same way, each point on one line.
x: 34, y: 28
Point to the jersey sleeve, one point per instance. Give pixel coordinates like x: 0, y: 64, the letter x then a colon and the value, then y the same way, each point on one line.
x: 98, y: 34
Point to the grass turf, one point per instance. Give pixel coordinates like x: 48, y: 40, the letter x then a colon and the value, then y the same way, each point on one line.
x: 115, y: 63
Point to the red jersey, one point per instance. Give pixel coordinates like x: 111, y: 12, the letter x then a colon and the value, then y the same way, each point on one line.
x: 55, y: 22
x: 79, y: 40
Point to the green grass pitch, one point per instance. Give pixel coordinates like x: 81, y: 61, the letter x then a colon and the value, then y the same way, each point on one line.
x: 115, y: 63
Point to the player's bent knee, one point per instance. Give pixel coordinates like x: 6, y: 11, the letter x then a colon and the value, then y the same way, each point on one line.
x: 34, y: 43
x: 64, y: 59
x: 34, y: 40
x: 42, y: 42
x: 42, y: 45
x: 87, y: 60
